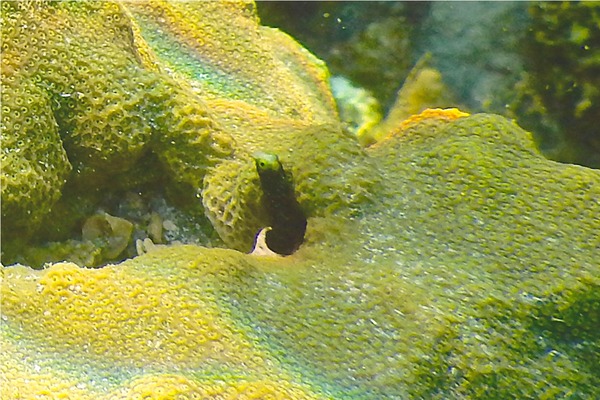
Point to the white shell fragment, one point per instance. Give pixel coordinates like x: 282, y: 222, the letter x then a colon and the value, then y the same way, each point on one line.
x: 260, y: 245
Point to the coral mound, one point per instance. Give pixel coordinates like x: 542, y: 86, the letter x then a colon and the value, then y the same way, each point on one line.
x: 471, y: 271
x: 448, y: 261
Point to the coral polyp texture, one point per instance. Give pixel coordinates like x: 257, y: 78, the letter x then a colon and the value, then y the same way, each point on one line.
x: 450, y: 260
x: 77, y: 98
x: 97, y: 100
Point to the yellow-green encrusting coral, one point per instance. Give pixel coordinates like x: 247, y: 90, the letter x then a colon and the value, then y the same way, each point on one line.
x: 448, y: 261
x: 77, y: 98
x: 472, y: 272
x: 101, y: 101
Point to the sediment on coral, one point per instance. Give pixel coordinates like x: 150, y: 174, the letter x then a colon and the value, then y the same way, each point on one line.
x: 459, y: 276
x: 448, y: 260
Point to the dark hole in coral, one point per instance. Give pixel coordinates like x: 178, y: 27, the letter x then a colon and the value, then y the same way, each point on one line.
x: 286, y: 218
x: 286, y: 239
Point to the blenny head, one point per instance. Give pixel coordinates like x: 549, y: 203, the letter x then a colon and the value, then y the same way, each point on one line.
x: 266, y: 161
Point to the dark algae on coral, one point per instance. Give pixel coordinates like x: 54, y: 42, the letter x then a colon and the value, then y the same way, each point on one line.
x: 286, y: 218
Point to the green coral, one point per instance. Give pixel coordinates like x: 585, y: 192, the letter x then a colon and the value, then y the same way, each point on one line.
x: 231, y: 197
x: 232, y: 192
x: 82, y: 127
x: 33, y: 171
x: 450, y: 260
x: 104, y: 109
x: 471, y: 272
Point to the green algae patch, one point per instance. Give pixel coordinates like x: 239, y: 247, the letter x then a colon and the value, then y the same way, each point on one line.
x: 558, y: 98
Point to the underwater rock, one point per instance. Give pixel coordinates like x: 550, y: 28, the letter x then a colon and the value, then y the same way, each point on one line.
x: 475, y: 46
x: 112, y: 233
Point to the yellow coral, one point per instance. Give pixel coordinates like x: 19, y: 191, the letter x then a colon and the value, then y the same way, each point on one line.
x: 422, y: 89
x: 433, y: 115
x: 172, y: 93
x: 226, y: 63
x: 451, y: 261
x: 103, y: 107
x: 379, y: 296
x: 166, y: 387
x: 164, y: 319
x: 231, y: 198
x: 448, y: 114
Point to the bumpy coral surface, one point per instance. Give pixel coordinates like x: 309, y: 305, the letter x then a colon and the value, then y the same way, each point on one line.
x: 473, y: 272
x: 76, y: 96
x: 448, y: 261
x: 97, y: 95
